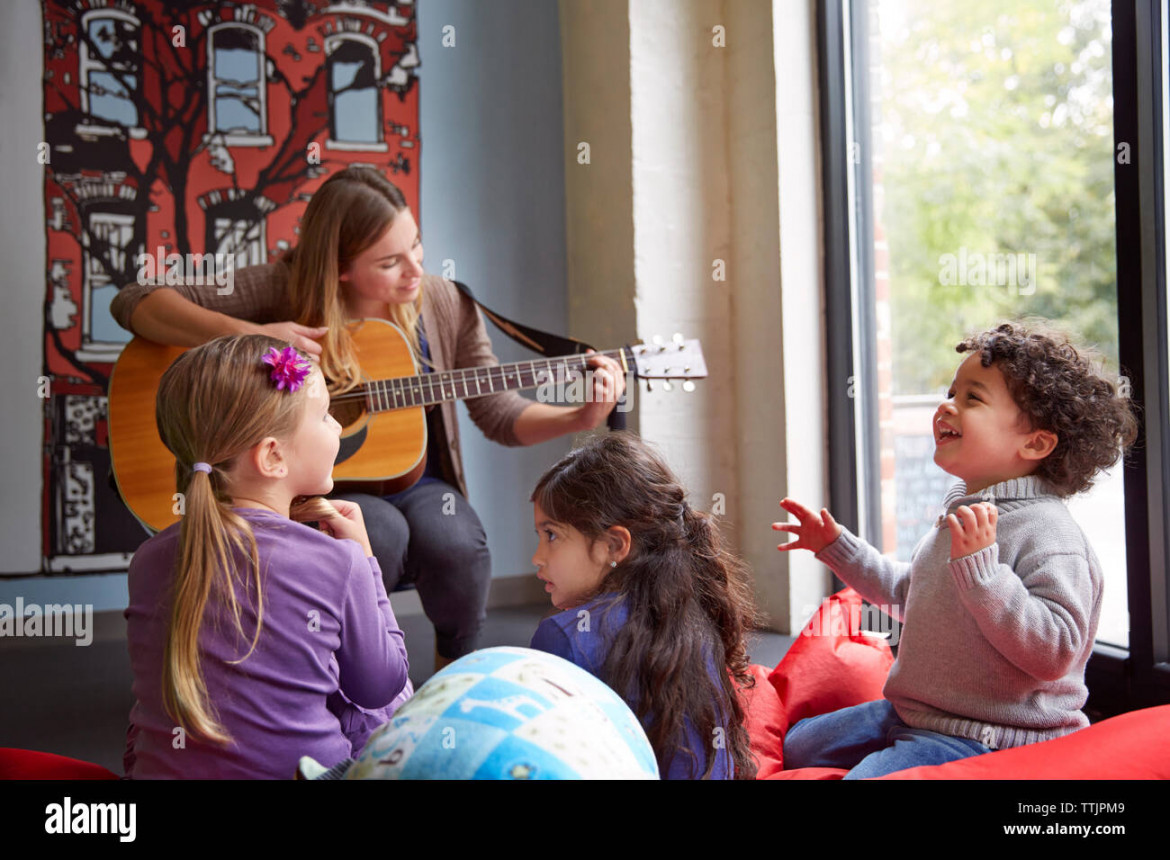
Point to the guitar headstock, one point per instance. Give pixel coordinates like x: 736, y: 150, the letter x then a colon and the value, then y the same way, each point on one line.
x: 680, y: 359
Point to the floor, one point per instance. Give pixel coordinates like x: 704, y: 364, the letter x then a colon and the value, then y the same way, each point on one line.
x: 75, y: 701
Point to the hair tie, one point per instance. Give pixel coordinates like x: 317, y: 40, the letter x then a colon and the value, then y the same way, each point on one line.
x: 202, y: 467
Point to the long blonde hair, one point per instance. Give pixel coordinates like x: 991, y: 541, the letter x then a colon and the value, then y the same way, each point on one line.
x: 213, y: 404
x: 347, y: 214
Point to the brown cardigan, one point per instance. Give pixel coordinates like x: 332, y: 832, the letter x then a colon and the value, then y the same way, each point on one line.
x: 454, y: 327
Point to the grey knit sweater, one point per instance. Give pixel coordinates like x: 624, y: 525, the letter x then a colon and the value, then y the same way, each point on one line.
x: 994, y: 644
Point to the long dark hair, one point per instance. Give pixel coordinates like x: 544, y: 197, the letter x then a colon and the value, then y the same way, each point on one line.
x: 689, y: 599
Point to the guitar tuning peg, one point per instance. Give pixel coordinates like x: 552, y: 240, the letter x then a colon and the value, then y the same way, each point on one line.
x: 666, y: 386
x: 688, y: 386
x: 649, y: 387
x: 656, y: 340
x: 678, y: 338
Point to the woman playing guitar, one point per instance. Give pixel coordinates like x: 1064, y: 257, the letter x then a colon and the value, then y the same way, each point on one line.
x: 360, y: 257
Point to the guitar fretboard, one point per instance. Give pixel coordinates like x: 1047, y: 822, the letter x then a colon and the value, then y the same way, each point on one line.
x: 429, y: 388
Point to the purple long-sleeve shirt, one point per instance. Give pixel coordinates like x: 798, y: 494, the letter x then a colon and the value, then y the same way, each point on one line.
x: 329, y: 641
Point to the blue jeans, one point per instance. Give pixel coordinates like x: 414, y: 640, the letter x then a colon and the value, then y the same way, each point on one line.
x: 435, y: 541
x: 870, y: 740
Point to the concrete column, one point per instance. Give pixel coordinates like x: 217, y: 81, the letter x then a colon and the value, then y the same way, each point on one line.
x: 701, y: 121
x: 595, y: 58
x: 802, y: 579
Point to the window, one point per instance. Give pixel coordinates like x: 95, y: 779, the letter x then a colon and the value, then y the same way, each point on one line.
x: 104, y: 256
x: 971, y: 157
x: 355, y: 108
x: 109, y: 69
x: 237, y: 85
x: 240, y: 239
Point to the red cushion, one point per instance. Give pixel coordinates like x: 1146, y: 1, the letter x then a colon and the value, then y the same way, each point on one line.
x: 28, y: 764
x: 1128, y: 746
x: 765, y: 722
x: 829, y: 666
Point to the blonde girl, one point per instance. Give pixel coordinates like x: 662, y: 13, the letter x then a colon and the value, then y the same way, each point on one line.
x: 255, y: 639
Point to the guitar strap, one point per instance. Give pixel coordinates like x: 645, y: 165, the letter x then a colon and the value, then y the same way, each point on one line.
x: 541, y: 342
x: 533, y: 338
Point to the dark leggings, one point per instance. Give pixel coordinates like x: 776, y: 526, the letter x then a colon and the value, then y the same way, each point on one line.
x: 430, y: 536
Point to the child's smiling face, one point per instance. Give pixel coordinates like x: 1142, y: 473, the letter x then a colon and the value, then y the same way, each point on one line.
x: 980, y: 434
x: 571, y: 568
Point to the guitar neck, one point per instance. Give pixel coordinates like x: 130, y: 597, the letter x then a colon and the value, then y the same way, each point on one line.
x: 426, y: 389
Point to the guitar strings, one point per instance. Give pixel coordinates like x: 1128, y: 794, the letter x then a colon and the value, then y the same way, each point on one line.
x: 495, y: 373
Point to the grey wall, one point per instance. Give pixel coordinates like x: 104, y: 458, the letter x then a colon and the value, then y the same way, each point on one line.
x: 492, y: 202
x: 22, y: 286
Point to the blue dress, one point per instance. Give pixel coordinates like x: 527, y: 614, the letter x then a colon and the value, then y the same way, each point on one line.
x: 583, y: 636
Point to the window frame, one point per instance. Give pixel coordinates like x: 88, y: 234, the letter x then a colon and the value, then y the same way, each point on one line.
x: 1119, y: 679
x: 1141, y: 294
x: 91, y: 125
x: 332, y: 43
x: 96, y: 275
x: 262, y: 138
x: 249, y: 238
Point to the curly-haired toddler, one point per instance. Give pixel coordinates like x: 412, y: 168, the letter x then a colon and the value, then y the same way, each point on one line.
x: 1000, y: 603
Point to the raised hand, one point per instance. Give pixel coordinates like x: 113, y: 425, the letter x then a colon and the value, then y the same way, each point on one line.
x: 814, y: 531
x: 972, y: 528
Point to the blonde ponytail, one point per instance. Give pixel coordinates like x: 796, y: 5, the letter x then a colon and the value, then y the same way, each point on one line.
x: 210, y: 536
x: 214, y: 403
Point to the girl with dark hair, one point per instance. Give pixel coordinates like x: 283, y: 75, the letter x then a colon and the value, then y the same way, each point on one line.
x: 359, y: 256
x: 652, y: 603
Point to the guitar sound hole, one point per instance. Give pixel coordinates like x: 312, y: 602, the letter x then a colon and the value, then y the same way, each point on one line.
x: 347, y: 413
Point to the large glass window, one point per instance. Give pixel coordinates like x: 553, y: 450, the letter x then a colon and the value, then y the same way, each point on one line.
x: 982, y: 190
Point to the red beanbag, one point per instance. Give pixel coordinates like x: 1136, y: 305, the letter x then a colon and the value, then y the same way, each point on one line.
x: 28, y: 764
x: 765, y: 722
x: 1129, y: 746
x: 831, y: 665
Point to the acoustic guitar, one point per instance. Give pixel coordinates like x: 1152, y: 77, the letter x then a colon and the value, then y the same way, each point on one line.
x: 383, y: 419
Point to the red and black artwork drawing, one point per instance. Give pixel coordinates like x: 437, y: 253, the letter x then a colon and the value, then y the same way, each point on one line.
x: 188, y: 128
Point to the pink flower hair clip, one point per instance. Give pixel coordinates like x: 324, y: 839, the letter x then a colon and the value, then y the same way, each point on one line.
x: 288, y: 368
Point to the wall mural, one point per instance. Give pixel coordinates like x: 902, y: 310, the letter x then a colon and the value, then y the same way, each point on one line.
x: 188, y: 128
